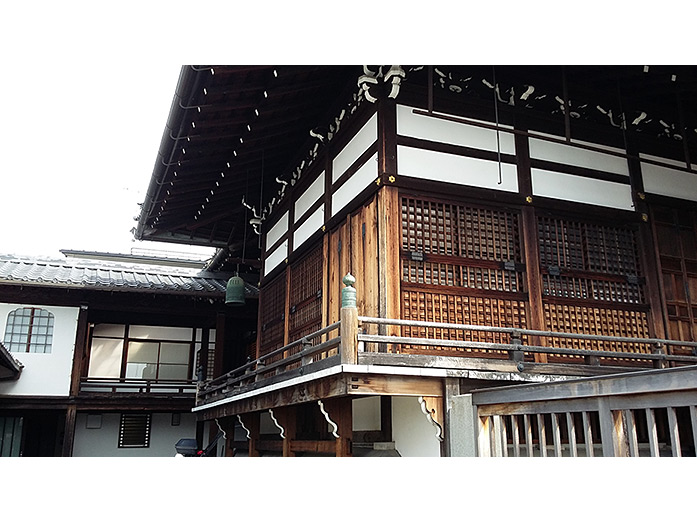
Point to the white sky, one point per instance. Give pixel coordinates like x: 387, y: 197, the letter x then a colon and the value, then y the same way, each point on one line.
x: 86, y: 88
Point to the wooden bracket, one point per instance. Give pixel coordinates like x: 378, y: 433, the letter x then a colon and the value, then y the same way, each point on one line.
x: 335, y: 427
x: 273, y: 418
x: 239, y: 418
x: 430, y: 412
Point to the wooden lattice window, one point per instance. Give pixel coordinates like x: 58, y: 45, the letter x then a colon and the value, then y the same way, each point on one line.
x: 461, y: 264
x: 272, y: 301
x: 592, y: 283
x: 305, y: 307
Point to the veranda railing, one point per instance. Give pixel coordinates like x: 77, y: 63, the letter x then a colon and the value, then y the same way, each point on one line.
x: 345, y: 341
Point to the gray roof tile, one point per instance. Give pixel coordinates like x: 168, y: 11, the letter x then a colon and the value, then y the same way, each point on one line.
x: 79, y: 273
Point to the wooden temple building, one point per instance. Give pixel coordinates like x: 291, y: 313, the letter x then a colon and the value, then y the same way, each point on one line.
x: 488, y: 226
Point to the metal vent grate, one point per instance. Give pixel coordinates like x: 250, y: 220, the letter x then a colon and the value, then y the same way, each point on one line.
x: 134, y: 431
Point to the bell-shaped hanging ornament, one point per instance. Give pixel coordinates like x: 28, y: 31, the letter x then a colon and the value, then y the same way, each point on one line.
x: 234, y: 294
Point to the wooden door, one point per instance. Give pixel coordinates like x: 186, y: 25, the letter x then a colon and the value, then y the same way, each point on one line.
x: 676, y: 242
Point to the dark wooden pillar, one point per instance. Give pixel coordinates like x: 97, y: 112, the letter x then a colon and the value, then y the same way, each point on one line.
x: 69, y: 431
x: 536, y: 319
x: 340, y: 411
x: 287, y: 418
x: 219, y: 344
x: 81, y: 353
x: 251, y: 422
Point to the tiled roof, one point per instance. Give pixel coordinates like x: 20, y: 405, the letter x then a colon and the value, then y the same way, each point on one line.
x: 10, y: 368
x: 77, y: 273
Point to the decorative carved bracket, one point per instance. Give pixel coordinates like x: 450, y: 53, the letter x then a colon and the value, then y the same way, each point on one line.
x: 326, y: 416
x: 220, y: 428
x: 239, y: 418
x: 429, y: 416
x: 273, y: 418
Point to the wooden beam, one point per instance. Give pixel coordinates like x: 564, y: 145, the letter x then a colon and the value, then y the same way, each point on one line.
x: 294, y: 395
x: 80, y: 357
x: 394, y: 385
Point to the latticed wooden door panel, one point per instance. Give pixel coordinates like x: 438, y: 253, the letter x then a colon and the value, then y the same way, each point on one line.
x: 592, y: 283
x: 461, y: 264
x: 305, y: 307
x: 272, y: 299
x: 677, y: 247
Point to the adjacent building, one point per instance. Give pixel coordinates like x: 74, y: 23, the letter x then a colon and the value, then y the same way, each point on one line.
x: 101, y: 358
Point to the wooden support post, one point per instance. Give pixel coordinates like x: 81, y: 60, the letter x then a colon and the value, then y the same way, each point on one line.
x: 251, y: 422
x: 389, y: 265
x: 219, y: 344
x: 81, y: 356
x: 287, y: 418
x: 228, y: 426
x: 536, y: 319
x: 349, y: 322
x: 340, y: 411
x: 69, y: 433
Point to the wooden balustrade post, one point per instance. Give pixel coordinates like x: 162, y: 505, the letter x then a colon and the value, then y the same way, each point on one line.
x: 516, y: 354
x: 349, y: 322
x: 658, y: 348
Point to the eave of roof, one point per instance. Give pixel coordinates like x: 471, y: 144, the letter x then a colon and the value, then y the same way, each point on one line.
x: 84, y: 274
x: 10, y: 368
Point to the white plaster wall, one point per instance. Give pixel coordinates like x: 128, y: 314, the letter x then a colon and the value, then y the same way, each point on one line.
x: 276, y: 257
x: 451, y: 168
x: 570, y: 155
x: 357, y: 146
x: 568, y: 187
x: 278, y: 230
x: 44, y: 374
x: 455, y: 133
x: 366, y: 413
x: 104, y: 442
x: 363, y: 177
x: 309, y: 197
x: 309, y: 226
x: 669, y: 182
x: 413, y: 434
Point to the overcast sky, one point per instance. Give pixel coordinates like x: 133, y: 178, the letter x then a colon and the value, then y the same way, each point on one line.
x: 86, y: 89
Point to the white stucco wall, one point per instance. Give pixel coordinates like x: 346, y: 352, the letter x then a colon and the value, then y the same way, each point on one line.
x: 413, y: 434
x: 104, y: 441
x: 44, y: 374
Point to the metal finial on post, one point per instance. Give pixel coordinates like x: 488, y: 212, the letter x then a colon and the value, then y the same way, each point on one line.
x: 348, y: 293
x: 349, y: 322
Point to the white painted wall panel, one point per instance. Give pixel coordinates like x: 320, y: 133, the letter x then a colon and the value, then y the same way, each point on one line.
x: 669, y: 182
x: 160, y: 333
x: 579, y: 189
x: 444, y: 131
x: 313, y: 193
x: 276, y: 257
x: 103, y: 442
x: 570, y: 155
x: 357, y: 146
x: 413, y: 434
x: 667, y: 161
x: 366, y: 413
x: 363, y: 177
x: 278, y: 230
x: 309, y: 226
x: 44, y: 374
x: 461, y: 170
